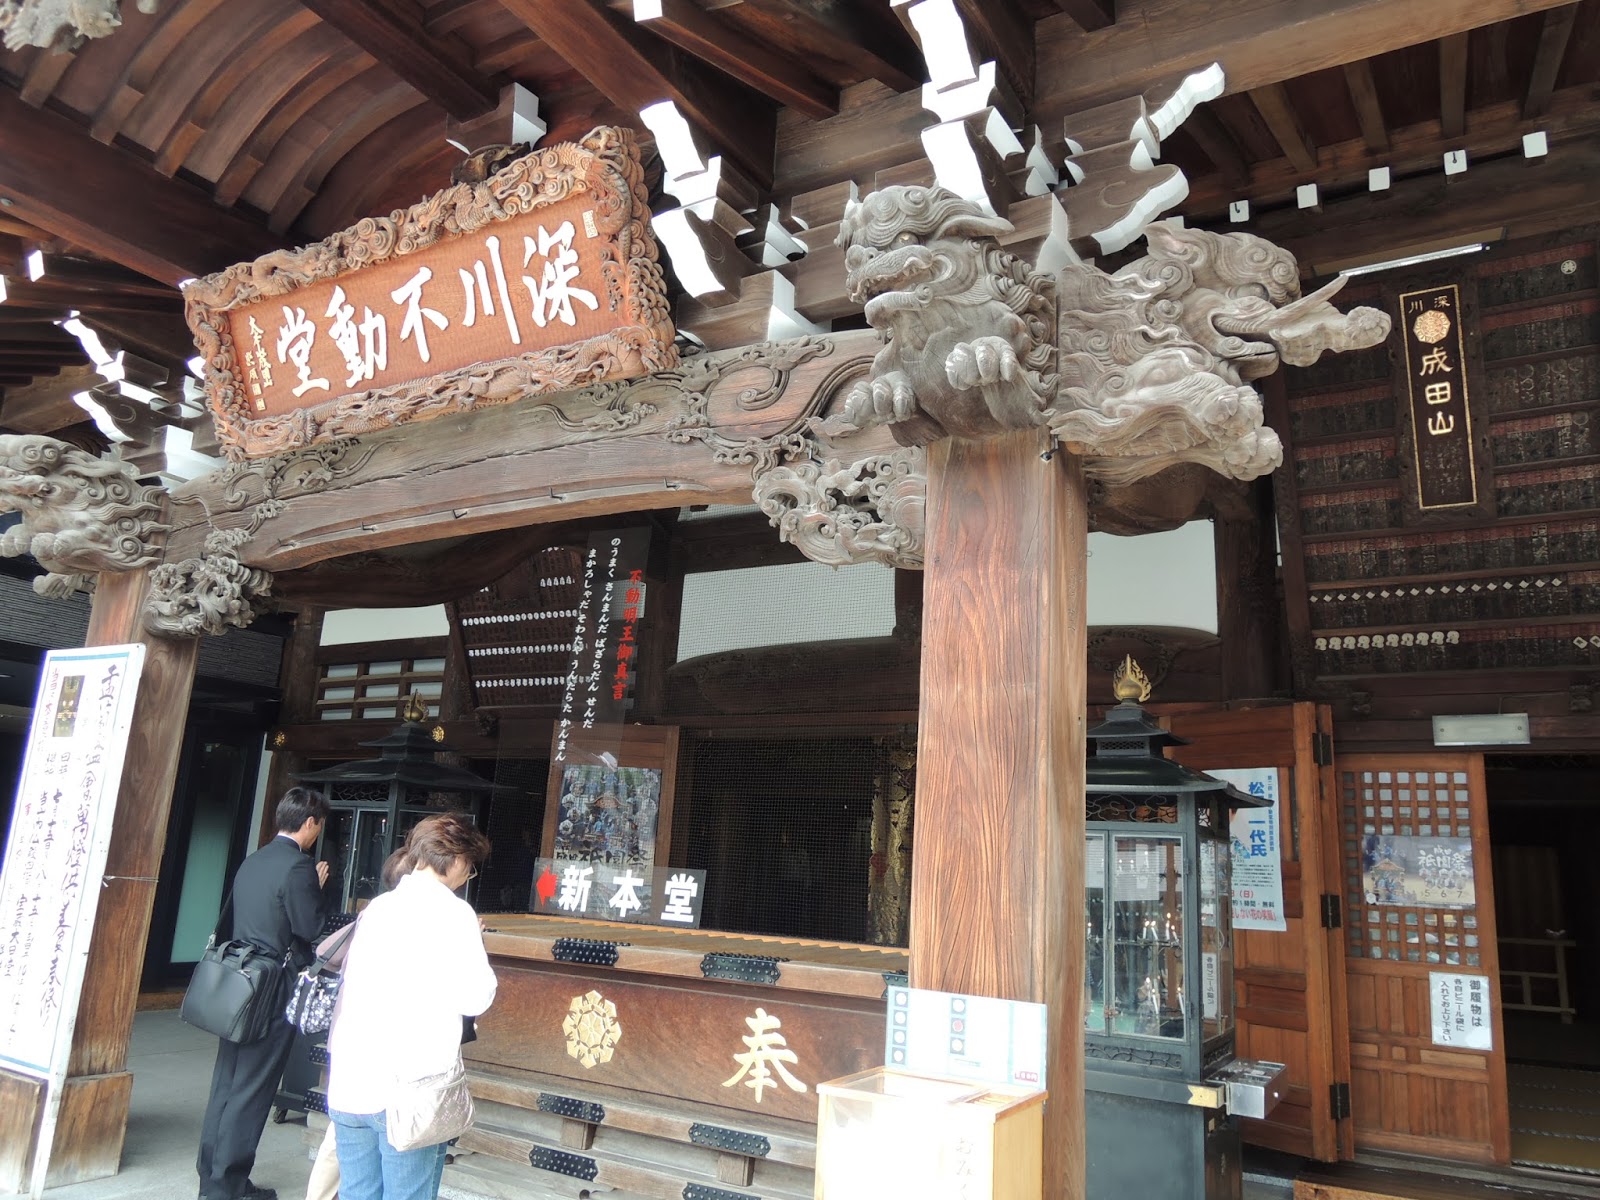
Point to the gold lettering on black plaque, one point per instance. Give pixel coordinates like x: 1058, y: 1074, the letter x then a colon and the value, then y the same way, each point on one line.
x: 1436, y: 378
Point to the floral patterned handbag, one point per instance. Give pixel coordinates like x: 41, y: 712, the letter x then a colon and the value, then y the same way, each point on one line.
x: 316, y: 990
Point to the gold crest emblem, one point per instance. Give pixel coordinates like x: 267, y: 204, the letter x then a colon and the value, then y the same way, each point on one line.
x: 592, y: 1029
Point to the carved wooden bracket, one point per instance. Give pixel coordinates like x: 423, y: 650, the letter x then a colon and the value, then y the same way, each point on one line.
x: 80, y: 514
x: 61, y: 25
x: 208, y: 594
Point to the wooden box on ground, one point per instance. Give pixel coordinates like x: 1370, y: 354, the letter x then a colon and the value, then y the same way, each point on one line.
x: 888, y: 1133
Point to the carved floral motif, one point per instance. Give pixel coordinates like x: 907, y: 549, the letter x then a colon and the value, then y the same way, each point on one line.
x: 871, y: 510
x: 208, y: 594
x: 61, y: 25
x: 604, y: 166
x: 80, y: 514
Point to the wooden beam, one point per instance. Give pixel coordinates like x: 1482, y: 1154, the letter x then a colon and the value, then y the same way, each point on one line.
x: 1090, y: 14
x: 1553, y: 38
x: 46, y: 405
x: 1494, y: 130
x: 63, y: 181
x: 437, y: 64
x: 689, y: 27
x: 1257, y: 42
x: 1369, y: 109
x: 998, y: 877
x: 1506, y: 192
x: 868, y: 38
x: 1453, y: 58
x: 1277, y: 110
x: 634, y: 70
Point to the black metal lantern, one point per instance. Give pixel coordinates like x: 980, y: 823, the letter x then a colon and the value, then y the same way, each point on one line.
x: 1158, y: 977
x: 373, y: 803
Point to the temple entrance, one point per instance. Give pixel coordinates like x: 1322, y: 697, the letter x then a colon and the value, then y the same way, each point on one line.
x: 1547, y: 903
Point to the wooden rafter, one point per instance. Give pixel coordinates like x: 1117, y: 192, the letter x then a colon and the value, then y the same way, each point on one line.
x: 437, y: 64
x: 1090, y: 14
x: 689, y: 27
x: 1553, y: 39
x: 1003, y: 32
x: 1277, y: 110
x: 1369, y: 109
x: 634, y: 70
x: 866, y: 37
x: 113, y: 205
x: 1453, y: 84
x: 1213, y: 137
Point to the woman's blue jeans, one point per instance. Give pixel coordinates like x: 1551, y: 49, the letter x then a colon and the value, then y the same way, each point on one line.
x: 371, y: 1169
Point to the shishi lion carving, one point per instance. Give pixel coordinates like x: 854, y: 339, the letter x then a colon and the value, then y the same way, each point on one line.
x: 969, y: 324
x: 1154, y: 364
x: 80, y: 515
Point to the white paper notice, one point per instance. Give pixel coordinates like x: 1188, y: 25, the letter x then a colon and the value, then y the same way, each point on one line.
x: 974, y: 1038
x: 1460, y: 1005
x: 1257, y: 852
x: 56, y: 850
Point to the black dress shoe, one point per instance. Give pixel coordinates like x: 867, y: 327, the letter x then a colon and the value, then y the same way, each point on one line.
x: 256, y: 1192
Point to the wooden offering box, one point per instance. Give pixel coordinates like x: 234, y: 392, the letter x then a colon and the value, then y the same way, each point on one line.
x: 655, y: 1061
x: 888, y: 1133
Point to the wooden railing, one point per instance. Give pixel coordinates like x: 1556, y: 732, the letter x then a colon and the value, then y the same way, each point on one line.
x: 1557, y: 948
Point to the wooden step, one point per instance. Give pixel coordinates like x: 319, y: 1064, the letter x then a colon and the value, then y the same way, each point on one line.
x: 1357, y: 1181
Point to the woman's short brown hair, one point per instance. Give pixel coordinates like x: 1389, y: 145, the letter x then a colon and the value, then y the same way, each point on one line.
x: 437, y: 842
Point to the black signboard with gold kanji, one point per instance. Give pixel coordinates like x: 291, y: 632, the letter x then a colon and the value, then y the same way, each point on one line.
x: 1444, y: 453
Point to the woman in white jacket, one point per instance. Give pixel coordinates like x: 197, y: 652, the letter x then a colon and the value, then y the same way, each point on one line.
x: 415, y: 968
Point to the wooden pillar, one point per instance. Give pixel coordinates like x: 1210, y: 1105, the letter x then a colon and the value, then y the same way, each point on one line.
x: 297, y: 680
x: 94, y: 1099
x: 1247, y: 600
x: 997, y: 878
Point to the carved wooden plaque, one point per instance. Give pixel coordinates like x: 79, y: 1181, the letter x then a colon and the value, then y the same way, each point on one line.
x: 542, y: 278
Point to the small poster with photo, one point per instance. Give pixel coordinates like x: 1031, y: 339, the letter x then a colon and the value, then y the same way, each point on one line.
x: 1428, y: 872
x: 609, y: 802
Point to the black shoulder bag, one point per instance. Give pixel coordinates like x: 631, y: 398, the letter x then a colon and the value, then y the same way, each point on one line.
x: 237, y: 989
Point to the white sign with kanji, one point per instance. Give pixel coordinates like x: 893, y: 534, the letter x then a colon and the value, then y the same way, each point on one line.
x: 1257, y: 852
x: 1460, y: 1006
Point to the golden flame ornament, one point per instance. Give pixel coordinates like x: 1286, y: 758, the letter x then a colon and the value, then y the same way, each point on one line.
x: 1128, y: 682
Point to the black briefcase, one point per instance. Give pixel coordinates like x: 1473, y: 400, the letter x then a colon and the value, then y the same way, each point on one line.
x: 237, y: 991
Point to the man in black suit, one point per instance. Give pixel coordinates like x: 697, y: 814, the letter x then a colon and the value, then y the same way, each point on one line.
x: 277, y: 904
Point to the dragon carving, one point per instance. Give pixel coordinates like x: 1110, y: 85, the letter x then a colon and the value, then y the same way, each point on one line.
x: 1136, y: 371
x: 1157, y: 360
x: 80, y: 514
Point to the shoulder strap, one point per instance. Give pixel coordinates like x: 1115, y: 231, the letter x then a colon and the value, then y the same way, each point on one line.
x: 222, y: 917
x: 343, y: 935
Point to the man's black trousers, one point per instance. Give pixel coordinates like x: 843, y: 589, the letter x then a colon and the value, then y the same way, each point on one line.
x: 243, y: 1085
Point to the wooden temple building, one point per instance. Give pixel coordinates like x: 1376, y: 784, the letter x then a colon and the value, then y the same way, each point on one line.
x: 506, y: 306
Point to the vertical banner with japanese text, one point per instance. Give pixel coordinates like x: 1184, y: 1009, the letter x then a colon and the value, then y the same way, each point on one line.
x: 605, y: 646
x: 1256, y: 838
x: 1436, y: 382
x: 55, y: 859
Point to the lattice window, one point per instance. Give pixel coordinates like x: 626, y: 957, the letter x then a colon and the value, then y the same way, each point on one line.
x: 1151, y: 809
x: 375, y: 689
x: 518, y: 631
x: 1378, y: 807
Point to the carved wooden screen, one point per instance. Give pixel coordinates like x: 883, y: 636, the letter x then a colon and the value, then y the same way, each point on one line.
x: 1289, y: 985
x: 1409, y: 1094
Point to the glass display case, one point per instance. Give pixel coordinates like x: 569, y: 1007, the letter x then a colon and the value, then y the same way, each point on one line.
x: 1158, y: 979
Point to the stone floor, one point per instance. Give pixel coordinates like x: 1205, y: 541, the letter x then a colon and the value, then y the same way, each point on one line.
x: 171, y: 1064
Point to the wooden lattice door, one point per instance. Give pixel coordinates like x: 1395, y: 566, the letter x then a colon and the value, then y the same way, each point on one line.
x: 1289, y: 984
x: 1405, y: 928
